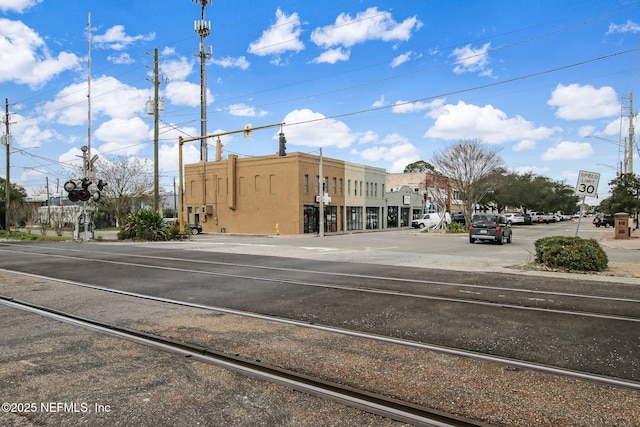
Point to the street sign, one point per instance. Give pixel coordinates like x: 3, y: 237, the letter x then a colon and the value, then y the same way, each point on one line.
x: 588, y: 183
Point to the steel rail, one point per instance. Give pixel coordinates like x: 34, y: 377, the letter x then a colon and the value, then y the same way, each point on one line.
x: 369, y: 402
x: 581, y: 375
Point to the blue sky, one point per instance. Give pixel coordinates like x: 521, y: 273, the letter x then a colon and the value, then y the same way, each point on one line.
x: 381, y: 83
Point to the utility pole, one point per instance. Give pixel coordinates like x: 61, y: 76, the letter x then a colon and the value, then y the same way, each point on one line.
x: 154, y: 110
x: 48, y: 202
x: 321, y: 219
x: 630, y: 147
x: 175, y: 196
x: 203, y: 29
x: 7, y: 183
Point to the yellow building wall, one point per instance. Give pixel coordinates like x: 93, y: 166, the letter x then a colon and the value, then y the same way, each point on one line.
x: 263, y: 195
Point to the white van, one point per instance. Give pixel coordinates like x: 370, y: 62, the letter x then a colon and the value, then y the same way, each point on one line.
x: 430, y: 220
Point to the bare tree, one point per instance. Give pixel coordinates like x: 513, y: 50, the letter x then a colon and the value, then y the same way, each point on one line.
x: 437, y: 186
x: 129, y: 184
x: 470, y: 165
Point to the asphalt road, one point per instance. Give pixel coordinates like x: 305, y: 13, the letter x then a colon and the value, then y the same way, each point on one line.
x: 377, y: 283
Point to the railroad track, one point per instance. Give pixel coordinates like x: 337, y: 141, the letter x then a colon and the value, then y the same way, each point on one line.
x: 198, y: 349
x: 509, y: 362
x: 612, y: 310
x: 365, y: 401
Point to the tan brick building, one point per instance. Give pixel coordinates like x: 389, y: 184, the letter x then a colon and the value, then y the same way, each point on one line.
x: 278, y: 194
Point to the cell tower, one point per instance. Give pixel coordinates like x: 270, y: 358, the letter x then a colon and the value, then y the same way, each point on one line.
x: 203, y: 29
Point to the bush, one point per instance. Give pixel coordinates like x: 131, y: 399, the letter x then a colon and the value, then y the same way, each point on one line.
x: 456, y: 227
x: 571, y: 253
x: 144, y: 224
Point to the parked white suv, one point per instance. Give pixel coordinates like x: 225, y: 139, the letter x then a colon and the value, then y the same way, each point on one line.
x: 430, y: 220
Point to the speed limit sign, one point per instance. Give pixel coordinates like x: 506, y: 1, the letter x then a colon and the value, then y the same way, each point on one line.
x: 588, y: 183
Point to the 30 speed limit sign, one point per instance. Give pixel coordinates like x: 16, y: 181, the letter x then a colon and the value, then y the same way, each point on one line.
x: 588, y: 183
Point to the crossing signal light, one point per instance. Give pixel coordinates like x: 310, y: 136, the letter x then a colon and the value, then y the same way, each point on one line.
x: 80, y: 191
x: 72, y: 191
x: 84, y: 194
x: 96, y: 196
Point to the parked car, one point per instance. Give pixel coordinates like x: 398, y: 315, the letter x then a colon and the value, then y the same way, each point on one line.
x: 193, y: 228
x: 542, y: 217
x: 458, y: 218
x: 495, y: 228
x: 429, y: 220
x: 514, y: 217
x: 604, y: 220
x: 527, y: 218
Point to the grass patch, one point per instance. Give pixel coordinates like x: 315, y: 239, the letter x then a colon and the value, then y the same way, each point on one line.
x: 19, y: 235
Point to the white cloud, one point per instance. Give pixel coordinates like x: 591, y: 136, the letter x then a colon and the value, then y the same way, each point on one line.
x: 412, y: 107
x: 281, y: 37
x: 379, y: 103
x: 586, y: 131
x: 399, y: 155
x: 185, y: 93
x: 28, y: 134
x: 332, y: 56
x: 491, y: 125
x: 394, y: 148
x: 109, y: 97
x: 115, y: 38
x: 168, y: 151
x: 229, y: 62
x: 577, y: 102
x: 536, y: 170
x: 368, y: 25
x: 176, y: 69
x: 628, y: 27
x: 369, y: 136
x: 243, y: 110
x: 123, y: 136
x: 122, y: 58
x: 405, y: 57
x: 25, y: 57
x: 311, y: 129
x: 526, y: 144
x: 19, y: 6
x: 568, y: 151
x: 470, y: 60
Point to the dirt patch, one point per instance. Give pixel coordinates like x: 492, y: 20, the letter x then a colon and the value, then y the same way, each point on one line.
x: 624, y: 269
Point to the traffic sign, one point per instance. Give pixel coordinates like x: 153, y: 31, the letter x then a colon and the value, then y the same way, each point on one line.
x: 588, y: 183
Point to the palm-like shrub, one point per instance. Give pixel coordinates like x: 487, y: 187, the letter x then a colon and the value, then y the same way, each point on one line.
x: 144, y: 224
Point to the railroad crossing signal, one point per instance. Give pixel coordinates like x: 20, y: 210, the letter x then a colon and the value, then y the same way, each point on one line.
x: 79, y: 191
x: 588, y: 184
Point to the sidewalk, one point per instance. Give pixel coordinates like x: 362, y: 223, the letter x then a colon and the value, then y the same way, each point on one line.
x: 631, y: 243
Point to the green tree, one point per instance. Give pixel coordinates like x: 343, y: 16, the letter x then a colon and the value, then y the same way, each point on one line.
x: 420, y: 166
x: 17, y: 194
x: 625, y: 195
x: 530, y: 192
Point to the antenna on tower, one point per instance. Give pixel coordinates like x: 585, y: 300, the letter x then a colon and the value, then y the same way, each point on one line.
x: 203, y: 29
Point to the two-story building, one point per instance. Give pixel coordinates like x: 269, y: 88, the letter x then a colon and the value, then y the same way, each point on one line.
x: 280, y: 194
